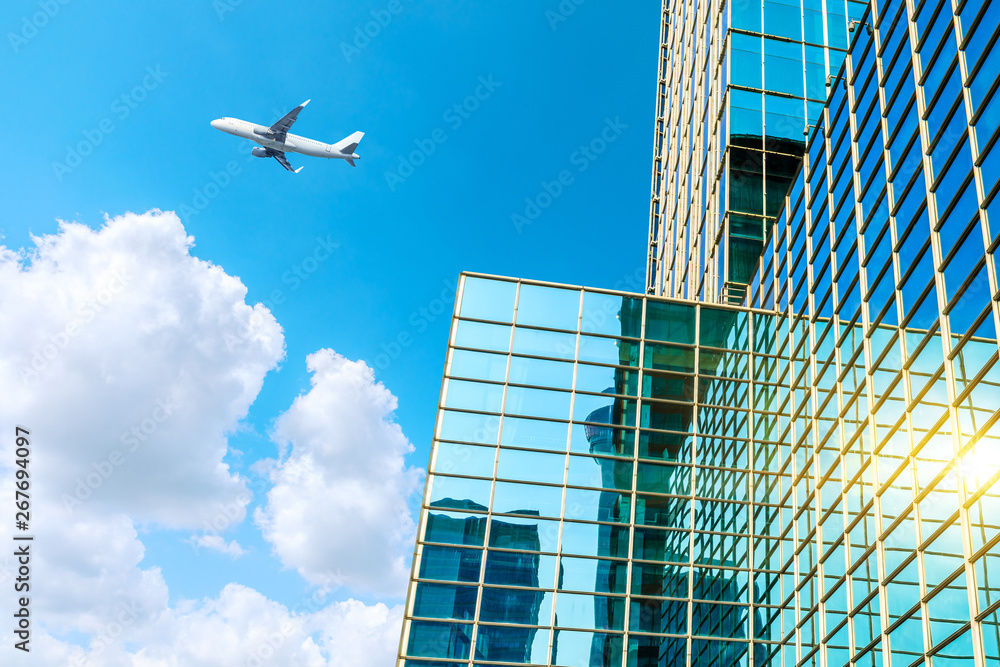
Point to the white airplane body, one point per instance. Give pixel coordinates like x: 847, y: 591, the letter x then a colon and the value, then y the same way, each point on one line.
x: 275, y: 140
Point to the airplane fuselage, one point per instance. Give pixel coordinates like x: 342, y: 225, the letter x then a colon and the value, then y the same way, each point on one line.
x: 293, y: 143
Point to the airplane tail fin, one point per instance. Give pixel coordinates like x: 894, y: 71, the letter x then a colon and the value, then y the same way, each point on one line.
x: 350, y: 162
x: 348, y: 144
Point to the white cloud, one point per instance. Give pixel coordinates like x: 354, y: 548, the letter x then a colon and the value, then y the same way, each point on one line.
x: 120, y: 367
x: 338, y: 509
x: 218, y: 543
x: 130, y: 362
x: 239, y: 628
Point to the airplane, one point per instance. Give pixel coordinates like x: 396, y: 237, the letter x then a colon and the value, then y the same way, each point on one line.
x: 275, y: 141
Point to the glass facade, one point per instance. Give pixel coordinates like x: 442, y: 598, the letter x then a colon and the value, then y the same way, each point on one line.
x: 741, y: 84
x: 801, y: 471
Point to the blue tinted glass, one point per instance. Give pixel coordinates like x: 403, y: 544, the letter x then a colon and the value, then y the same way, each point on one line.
x: 478, y: 365
x: 442, y: 601
x: 783, y: 19
x: 548, y: 307
x: 592, y: 575
x: 512, y: 644
x: 594, y: 649
x: 458, y: 492
x: 515, y: 568
x: 595, y: 439
x: 593, y: 539
x: 531, y: 466
x: 449, y: 563
x: 541, y: 372
x: 534, y: 433
x: 657, y: 651
x: 482, y: 336
x: 439, y: 640
x: 611, y: 315
x: 505, y: 605
x: 484, y: 299
x: 670, y: 322
x: 452, y: 458
x: 538, y: 403
x: 544, y: 343
x: 746, y: 60
x: 590, y: 612
x: 608, y: 351
x: 473, y: 396
x: 468, y: 427
x: 523, y: 534
x: 455, y: 528
x: 511, y: 498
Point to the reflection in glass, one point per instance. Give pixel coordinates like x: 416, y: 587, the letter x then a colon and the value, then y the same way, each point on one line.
x: 591, y: 574
x: 608, y: 351
x: 455, y: 528
x: 670, y: 322
x: 449, y: 563
x: 512, y: 644
x: 439, y: 640
x: 611, y: 315
x: 519, y: 568
x: 458, y: 492
x: 597, y: 379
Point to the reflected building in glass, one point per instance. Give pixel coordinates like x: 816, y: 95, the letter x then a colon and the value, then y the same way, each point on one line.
x: 741, y: 83
x: 805, y: 472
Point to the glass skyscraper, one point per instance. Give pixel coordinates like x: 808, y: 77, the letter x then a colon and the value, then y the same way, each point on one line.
x: 741, y: 84
x: 800, y: 467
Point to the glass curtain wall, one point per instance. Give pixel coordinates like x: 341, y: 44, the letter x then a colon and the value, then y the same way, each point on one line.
x: 740, y: 86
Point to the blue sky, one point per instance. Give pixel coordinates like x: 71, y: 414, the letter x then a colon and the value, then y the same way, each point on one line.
x: 135, y: 87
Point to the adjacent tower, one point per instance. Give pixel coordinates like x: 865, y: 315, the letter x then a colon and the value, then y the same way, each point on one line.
x: 741, y: 83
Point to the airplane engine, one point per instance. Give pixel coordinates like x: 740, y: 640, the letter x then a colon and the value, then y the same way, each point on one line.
x: 260, y: 152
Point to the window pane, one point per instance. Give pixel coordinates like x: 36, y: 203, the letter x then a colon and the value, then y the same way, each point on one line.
x: 485, y: 299
x: 548, y: 307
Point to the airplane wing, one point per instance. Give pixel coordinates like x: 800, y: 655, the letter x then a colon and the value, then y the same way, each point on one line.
x: 280, y: 129
x: 280, y: 157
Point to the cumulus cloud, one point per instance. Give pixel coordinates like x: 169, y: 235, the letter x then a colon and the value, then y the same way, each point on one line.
x: 338, y: 512
x: 130, y: 362
x: 238, y: 628
x: 218, y: 543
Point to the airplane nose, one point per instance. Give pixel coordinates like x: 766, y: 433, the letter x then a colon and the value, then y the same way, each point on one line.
x: 217, y: 123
